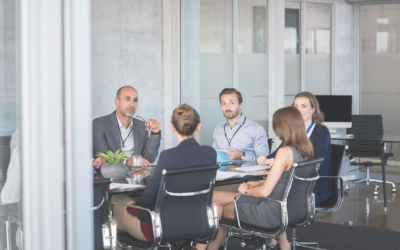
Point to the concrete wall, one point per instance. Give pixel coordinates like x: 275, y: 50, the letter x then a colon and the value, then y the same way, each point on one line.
x: 127, y: 50
x: 345, y: 64
x: 8, y: 96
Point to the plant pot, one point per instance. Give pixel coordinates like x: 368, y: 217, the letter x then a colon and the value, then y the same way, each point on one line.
x: 114, y: 170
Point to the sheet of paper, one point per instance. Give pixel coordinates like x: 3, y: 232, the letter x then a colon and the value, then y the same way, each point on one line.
x: 222, y: 157
x: 226, y: 175
x: 254, y: 168
x: 125, y: 186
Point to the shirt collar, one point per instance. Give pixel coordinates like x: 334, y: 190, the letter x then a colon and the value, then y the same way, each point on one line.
x: 120, y: 124
x: 238, y: 122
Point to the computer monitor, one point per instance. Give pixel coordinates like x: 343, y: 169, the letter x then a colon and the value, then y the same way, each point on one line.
x: 337, y: 110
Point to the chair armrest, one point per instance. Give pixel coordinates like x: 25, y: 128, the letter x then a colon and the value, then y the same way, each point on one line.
x: 155, y: 219
x: 340, y: 197
x: 98, y: 206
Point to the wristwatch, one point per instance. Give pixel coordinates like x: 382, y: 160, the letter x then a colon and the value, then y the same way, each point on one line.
x: 154, y: 133
x: 242, y: 157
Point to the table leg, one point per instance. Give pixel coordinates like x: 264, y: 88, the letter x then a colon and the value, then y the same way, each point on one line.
x: 384, y: 178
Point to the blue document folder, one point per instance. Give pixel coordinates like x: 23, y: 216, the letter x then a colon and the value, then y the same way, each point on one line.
x: 222, y: 157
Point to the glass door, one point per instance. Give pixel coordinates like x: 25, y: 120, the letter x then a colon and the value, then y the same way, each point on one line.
x: 224, y: 45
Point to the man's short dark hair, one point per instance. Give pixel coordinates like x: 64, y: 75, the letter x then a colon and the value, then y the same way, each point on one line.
x: 120, y: 89
x: 227, y: 91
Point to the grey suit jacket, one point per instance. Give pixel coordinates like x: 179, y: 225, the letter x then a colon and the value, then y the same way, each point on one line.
x: 106, y: 137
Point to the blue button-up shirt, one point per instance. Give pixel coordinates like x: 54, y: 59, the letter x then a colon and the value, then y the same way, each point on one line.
x: 250, y: 138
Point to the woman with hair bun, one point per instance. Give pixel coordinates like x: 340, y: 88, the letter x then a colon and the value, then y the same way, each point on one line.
x: 185, y: 123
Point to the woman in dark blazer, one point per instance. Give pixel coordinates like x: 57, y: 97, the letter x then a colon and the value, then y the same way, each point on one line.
x: 185, y: 123
x: 320, y: 138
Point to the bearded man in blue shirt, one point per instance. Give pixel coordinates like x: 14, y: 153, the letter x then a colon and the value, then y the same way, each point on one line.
x: 243, y: 138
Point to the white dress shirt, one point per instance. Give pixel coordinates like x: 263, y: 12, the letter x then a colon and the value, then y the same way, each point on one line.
x: 128, y: 145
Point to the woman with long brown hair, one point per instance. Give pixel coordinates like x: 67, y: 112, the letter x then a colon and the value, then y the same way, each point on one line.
x: 320, y: 138
x: 289, y: 127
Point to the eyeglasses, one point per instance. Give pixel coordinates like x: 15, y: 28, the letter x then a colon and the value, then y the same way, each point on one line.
x: 141, y: 118
x: 143, y: 121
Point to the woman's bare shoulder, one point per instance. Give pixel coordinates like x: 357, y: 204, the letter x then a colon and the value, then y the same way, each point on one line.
x: 285, y: 151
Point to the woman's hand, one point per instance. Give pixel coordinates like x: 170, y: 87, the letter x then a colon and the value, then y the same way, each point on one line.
x: 243, y: 187
x: 261, y: 160
x: 269, y: 161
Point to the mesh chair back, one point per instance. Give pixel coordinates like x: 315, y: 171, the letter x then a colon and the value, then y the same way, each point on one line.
x: 365, y: 125
x: 185, y: 217
x: 336, y: 157
x: 300, y: 192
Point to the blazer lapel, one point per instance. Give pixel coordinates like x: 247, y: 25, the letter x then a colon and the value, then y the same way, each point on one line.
x: 115, y: 129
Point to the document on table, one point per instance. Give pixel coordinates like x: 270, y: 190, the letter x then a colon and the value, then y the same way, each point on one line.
x: 254, y: 168
x: 221, y: 175
x: 125, y: 186
x: 222, y: 157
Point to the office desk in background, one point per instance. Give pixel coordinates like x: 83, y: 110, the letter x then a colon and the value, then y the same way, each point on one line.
x: 375, y: 138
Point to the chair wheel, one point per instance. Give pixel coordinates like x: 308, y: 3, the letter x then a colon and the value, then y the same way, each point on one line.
x: 393, y: 190
x: 242, y: 244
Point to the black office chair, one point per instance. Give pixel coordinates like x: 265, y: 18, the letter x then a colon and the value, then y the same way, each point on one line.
x: 184, y: 200
x: 333, y: 203
x: 297, y: 206
x: 101, y: 198
x: 270, y: 141
x: 367, y: 125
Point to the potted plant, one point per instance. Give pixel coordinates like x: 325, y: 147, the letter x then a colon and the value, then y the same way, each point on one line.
x: 114, y: 168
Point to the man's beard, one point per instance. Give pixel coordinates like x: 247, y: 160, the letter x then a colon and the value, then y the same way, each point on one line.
x: 127, y: 114
x: 233, y: 114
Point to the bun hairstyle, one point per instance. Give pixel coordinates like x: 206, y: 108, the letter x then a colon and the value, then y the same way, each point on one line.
x: 185, y: 119
x: 288, y: 124
x: 318, y: 116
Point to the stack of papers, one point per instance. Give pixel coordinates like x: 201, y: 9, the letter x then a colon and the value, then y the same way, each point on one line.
x: 254, y: 168
x: 125, y: 186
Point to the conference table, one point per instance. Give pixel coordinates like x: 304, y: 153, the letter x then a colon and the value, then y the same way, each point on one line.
x: 146, y: 174
x: 375, y: 138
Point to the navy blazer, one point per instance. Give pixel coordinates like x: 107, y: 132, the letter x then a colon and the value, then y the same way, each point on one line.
x: 187, y: 154
x: 321, y: 140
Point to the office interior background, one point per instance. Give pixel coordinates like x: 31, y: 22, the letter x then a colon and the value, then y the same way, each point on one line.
x: 61, y: 63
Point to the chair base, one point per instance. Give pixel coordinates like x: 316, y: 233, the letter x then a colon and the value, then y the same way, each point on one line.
x: 368, y: 180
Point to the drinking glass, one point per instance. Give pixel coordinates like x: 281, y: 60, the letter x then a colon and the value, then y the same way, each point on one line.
x: 137, y: 161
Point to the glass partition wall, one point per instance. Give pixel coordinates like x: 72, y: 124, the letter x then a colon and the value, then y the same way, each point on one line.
x: 379, y: 66
x: 308, y: 46
x: 224, y: 45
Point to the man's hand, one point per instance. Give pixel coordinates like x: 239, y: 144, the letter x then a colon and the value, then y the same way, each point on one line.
x: 153, y: 125
x: 243, y: 187
x: 146, y: 163
x: 99, y: 162
x: 235, y: 154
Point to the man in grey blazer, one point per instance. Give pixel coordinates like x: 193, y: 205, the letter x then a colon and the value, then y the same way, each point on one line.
x: 120, y: 131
